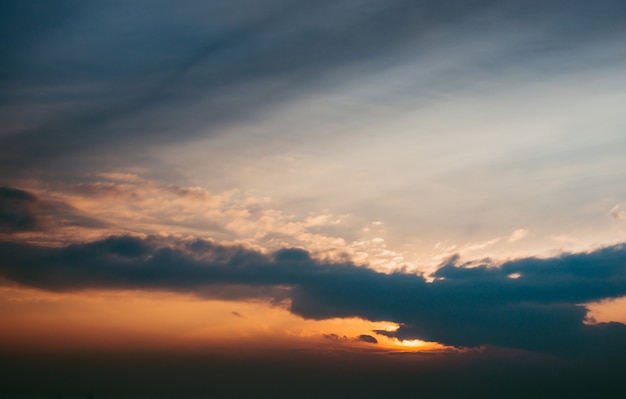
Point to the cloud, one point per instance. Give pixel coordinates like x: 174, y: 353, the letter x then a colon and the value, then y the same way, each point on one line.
x: 481, y: 305
x: 332, y: 336
x: 143, y: 206
x: 563, y: 238
x: 367, y: 338
x: 517, y: 235
x: 165, y: 62
x: 618, y: 212
x: 17, y: 210
x: 91, y: 79
x: 480, y: 245
x: 22, y: 211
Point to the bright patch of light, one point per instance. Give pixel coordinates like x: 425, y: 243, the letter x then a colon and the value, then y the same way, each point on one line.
x: 391, y: 327
x: 413, y: 343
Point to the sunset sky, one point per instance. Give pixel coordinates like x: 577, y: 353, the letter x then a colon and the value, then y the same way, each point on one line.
x: 423, y: 185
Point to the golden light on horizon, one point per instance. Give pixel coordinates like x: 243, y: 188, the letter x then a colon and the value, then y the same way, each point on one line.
x: 150, y: 319
x: 412, y: 345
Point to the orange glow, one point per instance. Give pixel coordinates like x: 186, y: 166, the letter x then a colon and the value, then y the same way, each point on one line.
x: 607, y: 311
x: 140, y: 319
x: 413, y: 345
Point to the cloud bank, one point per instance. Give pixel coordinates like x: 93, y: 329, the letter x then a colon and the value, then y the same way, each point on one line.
x: 541, y: 310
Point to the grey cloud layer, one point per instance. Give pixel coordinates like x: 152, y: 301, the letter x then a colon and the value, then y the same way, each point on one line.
x: 83, y: 78
x: 165, y: 61
x: 539, y: 311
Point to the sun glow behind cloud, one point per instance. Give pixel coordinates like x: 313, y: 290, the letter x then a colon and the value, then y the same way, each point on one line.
x: 146, y: 320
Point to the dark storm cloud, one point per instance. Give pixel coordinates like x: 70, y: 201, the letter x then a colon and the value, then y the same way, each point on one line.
x: 539, y: 311
x: 83, y: 78
x: 22, y: 211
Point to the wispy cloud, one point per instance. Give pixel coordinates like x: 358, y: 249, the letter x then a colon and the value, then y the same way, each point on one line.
x: 618, y: 212
x: 518, y: 235
x: 118, y: 79
x: 145, y: 79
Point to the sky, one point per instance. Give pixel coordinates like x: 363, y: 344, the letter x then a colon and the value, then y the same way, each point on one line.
x: 380, y: 195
